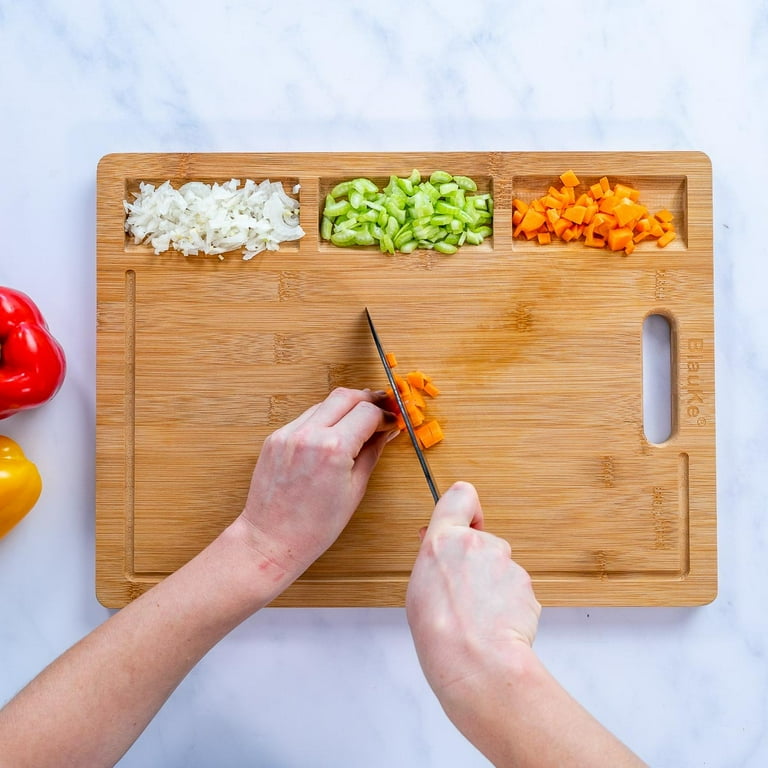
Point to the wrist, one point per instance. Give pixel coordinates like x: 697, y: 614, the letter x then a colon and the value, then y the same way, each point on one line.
x: 496, y: 680
x: 265, y: 571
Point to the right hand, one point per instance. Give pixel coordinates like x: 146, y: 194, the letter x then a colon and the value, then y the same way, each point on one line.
x: 469, y: 605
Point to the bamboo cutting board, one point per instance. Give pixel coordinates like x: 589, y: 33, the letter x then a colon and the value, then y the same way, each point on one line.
x: 537, y: 351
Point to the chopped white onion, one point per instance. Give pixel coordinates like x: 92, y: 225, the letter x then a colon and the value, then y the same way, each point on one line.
x: 213, y: 218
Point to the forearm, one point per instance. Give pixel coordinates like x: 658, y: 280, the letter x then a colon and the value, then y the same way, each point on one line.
x: 520, y: 716
x: 89, y: 706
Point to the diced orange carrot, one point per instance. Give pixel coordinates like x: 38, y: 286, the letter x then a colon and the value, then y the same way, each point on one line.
x: 416, y: 379
x: 575, y: 213
x: 619, y: 237
x: 570, y: 179
x: 391, y: 360
x: 431, y: 389
x: 429, y: 434
x: 561, y: 225
x: 624, y: 213
x: 665, y: 239
x: 622, y: 190
x: 600, y: 215
x: 531, y: 221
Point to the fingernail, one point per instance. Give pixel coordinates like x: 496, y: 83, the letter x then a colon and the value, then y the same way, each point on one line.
x: 392, y: 435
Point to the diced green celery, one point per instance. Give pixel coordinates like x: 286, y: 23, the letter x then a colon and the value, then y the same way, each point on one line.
x: 431, y: 191
x: 444, y: 247
x: 440, y: 177
x: 462, y: 238
x: 369, y: 215
x: 346, y: 222
x: 403, y: 235
x: 484, y: 231
x: 375, y: 205
x: 392, y: 226
x: 383, y: 216
x: 386, y: 245
x: 406, y: 185
x: 447, y: 188
x: 335, y: 209
x: 363, y: 236
x: 465, y: 183
x: 443, y: 207
x: 342, y: 189
x: 343, y: 237
x: 364, y: 186
x: 326, y: 228
x: 408, y: 247
x: 473, y: 238
x: 415, y: 177
x: 453, y: 238
x: 356, y: 199
x: 456, y: 225
x: 464, y: 217
x: 441, y: 220
x: 422, y: 205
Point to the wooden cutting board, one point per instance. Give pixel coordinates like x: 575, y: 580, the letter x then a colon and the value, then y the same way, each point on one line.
x: 537, y: 351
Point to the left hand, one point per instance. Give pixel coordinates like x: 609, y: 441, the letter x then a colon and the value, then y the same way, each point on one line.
x: 312, y: 474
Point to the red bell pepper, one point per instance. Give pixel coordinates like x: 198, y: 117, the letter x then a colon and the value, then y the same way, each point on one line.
x: 32, y: 362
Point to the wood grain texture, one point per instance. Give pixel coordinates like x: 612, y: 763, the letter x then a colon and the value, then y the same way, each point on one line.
x: 537, y: 351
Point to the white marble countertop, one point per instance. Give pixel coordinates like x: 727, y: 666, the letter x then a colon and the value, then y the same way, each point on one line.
x: 342, y: 687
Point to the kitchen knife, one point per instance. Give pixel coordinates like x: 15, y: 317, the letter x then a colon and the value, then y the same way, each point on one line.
x: 408, y: 425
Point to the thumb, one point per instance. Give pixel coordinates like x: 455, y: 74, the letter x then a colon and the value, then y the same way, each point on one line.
x: 459, y: 505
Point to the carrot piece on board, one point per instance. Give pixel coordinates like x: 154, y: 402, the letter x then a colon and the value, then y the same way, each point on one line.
x: 416, y: 379
x: 618, y: 238
x: 429, y: 434
x: 517, y: 217
x: 666, y: 239
x: 544, y: 238
x: 622, y: 190
x: 575, y: 213
x: 391, y: 360
x: 590, y: 213
x: 552, y: 215
x: 531, y: 221
x: 431, y: 389
x: 664, y: 215
x: 629, y: 247
x: 596, y: 191
x: 561, y: 225
x: 520, y: 205
x: 570, y: 179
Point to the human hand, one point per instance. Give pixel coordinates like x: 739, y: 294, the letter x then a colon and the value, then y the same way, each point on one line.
x: 469, y: 605
x: 311, y: 475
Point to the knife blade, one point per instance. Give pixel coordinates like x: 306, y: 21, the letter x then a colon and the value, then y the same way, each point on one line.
x: 408, y: 425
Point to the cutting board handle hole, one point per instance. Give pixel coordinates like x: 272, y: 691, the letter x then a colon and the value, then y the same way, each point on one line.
x: 657, y: 378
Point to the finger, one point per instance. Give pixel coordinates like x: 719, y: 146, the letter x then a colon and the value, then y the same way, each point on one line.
x: 338, y: 404
x: 369, y: 455
x: 459, y: 505
x: 357, y: 426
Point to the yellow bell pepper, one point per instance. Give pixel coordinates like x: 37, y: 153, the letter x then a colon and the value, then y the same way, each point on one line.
x: 20, y: 484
